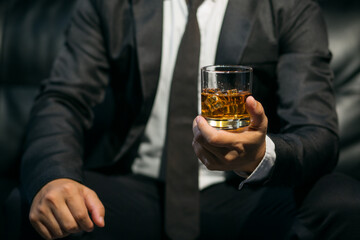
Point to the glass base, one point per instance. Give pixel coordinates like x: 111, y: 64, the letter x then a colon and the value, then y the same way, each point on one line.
x: 228, y: 124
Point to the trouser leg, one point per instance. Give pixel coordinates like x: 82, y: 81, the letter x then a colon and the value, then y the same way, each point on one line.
x: 134, y: 210
x: 331, y: 210
x: 132, y: 207
x: 251, y: 213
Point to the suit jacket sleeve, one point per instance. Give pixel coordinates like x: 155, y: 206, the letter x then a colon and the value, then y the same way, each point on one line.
x: 62, y: 111
x: 307, y: 146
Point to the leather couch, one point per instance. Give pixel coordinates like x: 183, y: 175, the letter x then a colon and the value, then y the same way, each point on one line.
x: 31, y: 33
x: 343, y: 20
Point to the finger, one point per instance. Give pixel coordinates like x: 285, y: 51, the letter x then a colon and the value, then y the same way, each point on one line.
x: 257, y: 114
x: 42, y: 218
x: 95, y: 207
x: 207, y: 158
x: 195, y: 127
x: 42, y: 230
x: 67, y: 221
x: 218, y: 153
x: 80, y: 218
x: 52, y: 225
x: 209, y: 136
x: 200, y: 139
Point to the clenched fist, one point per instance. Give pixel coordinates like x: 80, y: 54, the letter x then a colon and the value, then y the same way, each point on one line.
x: 64, y: 206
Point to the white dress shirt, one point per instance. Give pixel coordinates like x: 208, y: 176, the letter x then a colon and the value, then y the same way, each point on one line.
x: 210, y: 17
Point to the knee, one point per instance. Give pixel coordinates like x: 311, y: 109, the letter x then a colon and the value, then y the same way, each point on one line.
x: 331, y: 210
x: 335, y: 196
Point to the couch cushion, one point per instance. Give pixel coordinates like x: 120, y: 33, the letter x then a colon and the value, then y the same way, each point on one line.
x: 343, y: 20
x: 32, y: 36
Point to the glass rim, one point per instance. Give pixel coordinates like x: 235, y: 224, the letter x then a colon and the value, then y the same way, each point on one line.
x: 237, y: 69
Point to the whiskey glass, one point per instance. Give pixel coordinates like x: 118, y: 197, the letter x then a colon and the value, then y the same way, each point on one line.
x: 224, y: 89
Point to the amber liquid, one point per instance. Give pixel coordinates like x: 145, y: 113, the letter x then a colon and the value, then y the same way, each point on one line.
x: 225, y: 109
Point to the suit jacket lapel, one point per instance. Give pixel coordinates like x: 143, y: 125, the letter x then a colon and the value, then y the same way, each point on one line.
x: 236, y: 29
x: 148, y: 24
x: 148, y: 33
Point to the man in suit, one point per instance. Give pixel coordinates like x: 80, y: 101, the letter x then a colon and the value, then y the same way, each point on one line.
x: 131, y: 47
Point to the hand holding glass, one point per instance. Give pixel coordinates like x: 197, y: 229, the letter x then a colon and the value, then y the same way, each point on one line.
x: 224, y: 89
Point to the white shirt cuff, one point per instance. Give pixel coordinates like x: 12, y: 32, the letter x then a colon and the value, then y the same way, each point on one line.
x: 262, y: 171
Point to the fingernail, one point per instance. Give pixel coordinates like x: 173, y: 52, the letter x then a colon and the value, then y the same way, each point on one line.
x: 102, y: 221
x: 198, y: 119
x: 253, y: 99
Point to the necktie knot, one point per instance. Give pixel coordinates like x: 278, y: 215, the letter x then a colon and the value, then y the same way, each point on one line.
x: 193, y: 5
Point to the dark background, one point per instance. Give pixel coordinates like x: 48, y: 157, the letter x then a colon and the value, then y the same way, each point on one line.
x: 32, y: 32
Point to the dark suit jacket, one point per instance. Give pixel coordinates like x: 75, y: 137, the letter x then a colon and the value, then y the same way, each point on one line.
x: 117, y: 44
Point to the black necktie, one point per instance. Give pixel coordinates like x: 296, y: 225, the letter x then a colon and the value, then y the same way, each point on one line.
x: 182, y: 194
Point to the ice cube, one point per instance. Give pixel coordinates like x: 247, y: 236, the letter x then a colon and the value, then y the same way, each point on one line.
x: 232, y: 91
x: 210, y: 90
x: 214, y: 103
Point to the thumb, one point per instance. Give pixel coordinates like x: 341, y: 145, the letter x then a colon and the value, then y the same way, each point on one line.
x: 95, y: 208
x: 257, y: 114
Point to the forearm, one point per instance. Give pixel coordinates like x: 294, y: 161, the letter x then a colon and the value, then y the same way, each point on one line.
x: 307, y: 143
x: 63, y: 110
x: 53, y: 146
x: 303, y: 156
